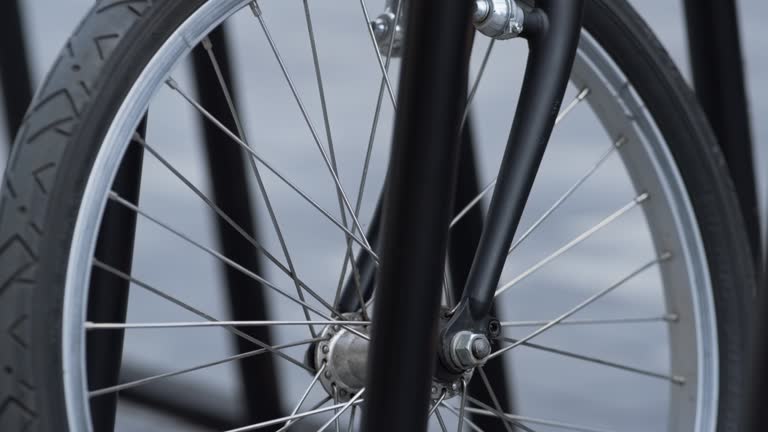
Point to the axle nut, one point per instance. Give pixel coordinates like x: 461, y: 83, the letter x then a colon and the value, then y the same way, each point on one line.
x: 469, y: 349
x: 499, y: 19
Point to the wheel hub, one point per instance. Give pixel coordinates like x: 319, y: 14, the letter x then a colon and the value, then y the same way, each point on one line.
x: 343, y: 355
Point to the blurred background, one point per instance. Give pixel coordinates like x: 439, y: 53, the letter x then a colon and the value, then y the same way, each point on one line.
x: 630, y: 405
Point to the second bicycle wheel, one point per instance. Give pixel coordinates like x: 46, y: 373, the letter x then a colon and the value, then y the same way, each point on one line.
x: 632, y: 219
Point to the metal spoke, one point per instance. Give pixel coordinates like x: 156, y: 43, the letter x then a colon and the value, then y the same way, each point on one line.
x: 384, y: 73
x: 568, y: 193
x: 664, y: 256
x: 602, y: 224
x: 228, y: 261
x: 437, y: 403
x: 500, y: 414
x: 457, y: 413
x: 190, y: 308
x: 557, y: 424
x: 494, y: 399
x: 268, y: 203
x: 672, y: 378
x: 476, y: 84
x: 292, y: 417
x: 166, y: 375
x: 440, y: 420
x: 349, y: 258
x: 343, y: 407
x: 463, y: 405
x: 362, y: 242
x: 260, y: 17
x: 304, y: 396
x: 580, y: 97
x: 652, y: 319
x: 351, y: 425
x: 197, y: 324
x: 331, y: 149
x: 232, y: 223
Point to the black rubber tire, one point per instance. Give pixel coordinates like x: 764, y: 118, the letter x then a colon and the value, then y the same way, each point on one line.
x: 71, y: 112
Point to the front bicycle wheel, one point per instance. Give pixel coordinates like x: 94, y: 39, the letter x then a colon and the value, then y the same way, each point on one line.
x: 632, y: 219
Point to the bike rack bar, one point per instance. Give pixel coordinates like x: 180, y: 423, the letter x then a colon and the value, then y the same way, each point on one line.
x: 416, y: 214
x: 718, y: 76
x: 14, y: 68
x: 227, y: 165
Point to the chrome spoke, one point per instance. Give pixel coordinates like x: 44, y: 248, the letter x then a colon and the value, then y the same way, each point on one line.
x: 289, y: 418
x: 500, y: 415
x: 676, y: 379
x: 556, y: 424
x: 362, y: 242
x: 192, y: 309
x: 463, y: 405
x: 494, y: 399
x: 440, y: 420
x: 289, y: 271
x: 437, y: 403
x: 260, y: 17
x: 113, y: 196
x: 665, y: 256
x: 458, y: 414
x: 268, y: 203
x: 568, y: 193
x: 652, y: 319
x: 304, y: 396
x: 197, y: 324
x: 476, y: 84
x: 580, y: 97
x: 351, y: 425
x: 343, y: 407
x: 144, y: 381
x: 329, y: 138
x: 576, y: 241
x: 317, y: 405
x: 382, y: 66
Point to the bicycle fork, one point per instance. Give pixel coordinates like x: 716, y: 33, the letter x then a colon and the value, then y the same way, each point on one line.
x: 408, y: 335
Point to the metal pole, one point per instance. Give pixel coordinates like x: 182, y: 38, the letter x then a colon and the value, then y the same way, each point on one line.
x: 14, y: 67
x: 416, y: 213
x: 227, y: 168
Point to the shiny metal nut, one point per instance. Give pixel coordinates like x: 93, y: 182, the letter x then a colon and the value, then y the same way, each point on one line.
x: 499, y: 19
x: 469, y: 349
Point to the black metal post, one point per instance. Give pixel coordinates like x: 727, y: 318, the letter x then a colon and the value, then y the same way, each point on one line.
x: 14, y: 67
x: 227, y: 168
x: 416, y: 213
x: 718, y: 76
x: 463, y: 241
x: 108, y: 295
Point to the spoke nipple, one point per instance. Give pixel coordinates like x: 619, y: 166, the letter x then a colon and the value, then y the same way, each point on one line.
x: 255, y: 9
x: 672, y: 317
x: 666, y: 255
x: 620, y: 141
x: 642, y: 197
x: 207, y: 43
x: 677, y: 379
x: 583, y: 94
x: 172, y: 83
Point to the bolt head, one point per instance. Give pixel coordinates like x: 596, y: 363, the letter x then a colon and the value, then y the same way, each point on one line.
x: 481, y: 348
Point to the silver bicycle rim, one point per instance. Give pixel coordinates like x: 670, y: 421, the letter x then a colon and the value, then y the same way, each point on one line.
x: 650, y: 165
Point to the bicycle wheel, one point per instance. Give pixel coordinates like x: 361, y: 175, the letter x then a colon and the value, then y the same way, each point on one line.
x: 649, y: 241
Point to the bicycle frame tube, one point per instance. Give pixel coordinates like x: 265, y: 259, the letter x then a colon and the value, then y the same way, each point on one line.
x: 418, y: 199
x: 553, y: 33
x: 416, y: 214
